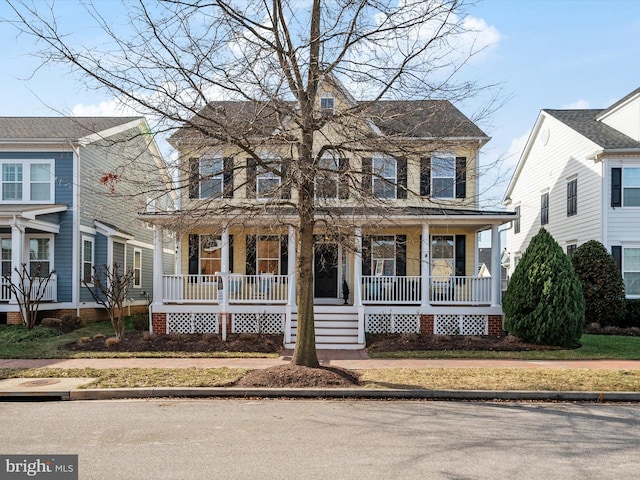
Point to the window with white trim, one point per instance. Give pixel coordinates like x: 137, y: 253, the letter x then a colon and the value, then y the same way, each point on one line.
x: 631, y: 187
x: 267, y: 183
x: 87, y: 259
x: 327, y: 104
x: 383, y: 256
x: 442, y: 256
x: 631, y: 270
x: 137, y: 268
x: 443, y: 176
x: 40, y: 255
x: 327, y: 177
x: 385, y: 177
x: 210, y: 254
x: 212, y: 177
x: 268, y: 255
x: 6, y: 257
x: 27, y: 181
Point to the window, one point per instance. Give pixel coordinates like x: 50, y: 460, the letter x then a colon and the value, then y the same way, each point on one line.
x: 571, y: 248
x: 327, y: 104
x: 327, y: 178
x: 516, y: 221
x: 631, y: 270
x: 27, y: 181
x: 267, y: 183
x: 6, y: 257
x: 572, y: 197
x: 443, y: 176
x: 87, y: 259
x: 211, y: 173
x: 268, y: 255
x: 210, y: 254
x: 40, y: 255
x: 442, y: 255
x: 383, y: 256
x: 137, y: 268
x: 384, y: 177
x: 544, y: 208
x: 631, y: 187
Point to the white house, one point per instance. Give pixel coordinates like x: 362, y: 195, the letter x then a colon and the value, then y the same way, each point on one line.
x: 579, y: 178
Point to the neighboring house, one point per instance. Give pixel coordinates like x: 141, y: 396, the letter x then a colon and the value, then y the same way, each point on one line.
x: 410, y: 268
x: 70, y: 192
x: 579, y: 178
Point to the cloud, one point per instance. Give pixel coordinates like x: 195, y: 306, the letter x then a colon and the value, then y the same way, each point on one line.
x: 515, y: 151
x: 108, y: 108
x: 480, y: 38
x: 577, y: 105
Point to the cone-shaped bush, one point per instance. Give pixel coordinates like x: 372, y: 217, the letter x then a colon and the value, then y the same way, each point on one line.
x: 543, y: 303
x: 602, y: 284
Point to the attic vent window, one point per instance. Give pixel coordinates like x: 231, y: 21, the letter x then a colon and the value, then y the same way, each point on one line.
x: 327, y: 104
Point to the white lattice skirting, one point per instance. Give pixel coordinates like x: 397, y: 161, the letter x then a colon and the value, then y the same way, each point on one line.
x: 392, y: 323
x: 464, y: 324
x: 192, y: 323
x: 270, y: 323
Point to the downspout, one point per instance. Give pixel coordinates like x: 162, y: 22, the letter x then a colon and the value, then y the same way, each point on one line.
x: 75, y: 272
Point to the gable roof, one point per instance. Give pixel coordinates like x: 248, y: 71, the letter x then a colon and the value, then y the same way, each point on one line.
x: 57, y: 128
x: 425, y: 119
x: 586, y: 123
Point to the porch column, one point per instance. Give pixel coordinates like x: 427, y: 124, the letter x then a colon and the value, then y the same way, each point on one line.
x: 291, y: 279
x: 224, y: 277
x: 424, y: 263
x: 158, y: 266
x: 496, y: 268
x: 357, y: 270
x: 17, y: 247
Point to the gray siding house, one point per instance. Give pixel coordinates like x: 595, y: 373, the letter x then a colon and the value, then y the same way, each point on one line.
x: 71, y: 189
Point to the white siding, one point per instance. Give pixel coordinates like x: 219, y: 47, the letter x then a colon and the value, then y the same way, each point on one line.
x: 626, y: 118
x: 548, y: 167
x: 623, y: 223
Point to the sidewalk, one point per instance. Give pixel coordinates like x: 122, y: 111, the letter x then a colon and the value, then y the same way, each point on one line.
x: 23, y: 389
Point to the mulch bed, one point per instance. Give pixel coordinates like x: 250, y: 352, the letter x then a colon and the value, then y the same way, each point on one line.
x: 293, y: 376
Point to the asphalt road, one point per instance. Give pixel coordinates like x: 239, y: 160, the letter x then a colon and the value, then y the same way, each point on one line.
x: 315, y: 439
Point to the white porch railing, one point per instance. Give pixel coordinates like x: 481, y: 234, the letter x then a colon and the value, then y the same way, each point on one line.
x: 390, y: 290
x: 460, y: 290
x: 50, y: 292
x: 269, y: 289
x: 442, y: 290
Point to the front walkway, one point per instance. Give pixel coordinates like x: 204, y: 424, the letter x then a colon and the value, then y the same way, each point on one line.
x: 351, y: 359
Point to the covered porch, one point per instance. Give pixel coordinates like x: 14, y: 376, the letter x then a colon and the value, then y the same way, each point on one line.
x: 414, y: 274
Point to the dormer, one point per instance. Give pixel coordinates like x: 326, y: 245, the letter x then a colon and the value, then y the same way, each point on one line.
x: 624, y: 115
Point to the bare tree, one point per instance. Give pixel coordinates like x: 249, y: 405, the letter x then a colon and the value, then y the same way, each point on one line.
x: 265, y: 63
x: 109, y: 287
x: 29, y: 290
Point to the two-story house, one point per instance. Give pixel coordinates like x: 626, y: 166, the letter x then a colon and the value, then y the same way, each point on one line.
x: 70, y: 192
x: 579, y: 178
x: 396, y: 229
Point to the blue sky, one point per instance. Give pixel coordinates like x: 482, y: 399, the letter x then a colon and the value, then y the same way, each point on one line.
x: 545, y: 53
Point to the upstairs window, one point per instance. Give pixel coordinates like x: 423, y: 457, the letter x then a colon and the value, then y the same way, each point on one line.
x: 516, y: 221
x: 443, y: 176
x: 212, y: 179
x: 327, y: 178
x: 327, y: 104
x: 27, y: 181
x: 572, y: 197
x: 631, y: 187
x: 267, y: 183
x: 384, y: 177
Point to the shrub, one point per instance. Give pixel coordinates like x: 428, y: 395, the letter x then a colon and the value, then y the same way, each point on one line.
x: 54, y: 323
x: 602, y: 285
x: 82, y: 340
x: 543, y: 303
x: 140, y: 322
x: 71, y: 323
x: 112, y: 341
x: 632, y: 313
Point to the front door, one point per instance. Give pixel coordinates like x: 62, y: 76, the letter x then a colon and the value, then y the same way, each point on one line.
x: 325, y: 261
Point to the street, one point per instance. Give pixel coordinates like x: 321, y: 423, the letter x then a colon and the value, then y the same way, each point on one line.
x: 316, y: 439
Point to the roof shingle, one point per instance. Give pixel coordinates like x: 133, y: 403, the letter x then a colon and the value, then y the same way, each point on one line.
x: 56, y: 128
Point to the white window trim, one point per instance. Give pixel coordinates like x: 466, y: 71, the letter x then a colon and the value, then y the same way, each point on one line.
x: 204, y: 177
x: 26, y: 180
x: 378, y: 263
x: 380, y: 178
x: 93, y: 259
x: 333, y: 103
x: 263, y: 238
x: 27, y: 255
x: 137, y: 251
x: 623, y: 186
x: 267, y: 175
x: 434, y: 174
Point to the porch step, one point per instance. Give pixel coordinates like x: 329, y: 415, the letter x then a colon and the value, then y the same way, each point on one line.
x: 336, y: 328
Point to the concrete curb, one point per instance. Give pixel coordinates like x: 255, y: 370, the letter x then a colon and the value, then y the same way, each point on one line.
x: 352, y: 393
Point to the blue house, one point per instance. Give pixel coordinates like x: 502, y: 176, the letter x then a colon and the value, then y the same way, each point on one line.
x: 70, y: 192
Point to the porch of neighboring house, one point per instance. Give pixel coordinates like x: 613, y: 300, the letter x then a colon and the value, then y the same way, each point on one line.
x: 412, y: 282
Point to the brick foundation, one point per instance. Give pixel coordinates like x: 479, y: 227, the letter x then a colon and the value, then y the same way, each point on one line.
x: 426, y: 324
x: 495, y: 325
x: 229, y: 317
x: 13, y: 318
x: 159, y: 322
